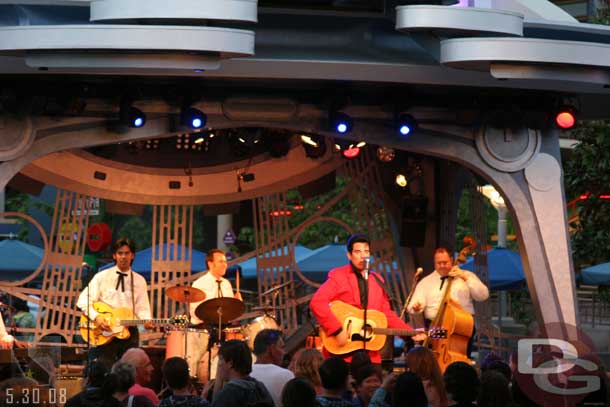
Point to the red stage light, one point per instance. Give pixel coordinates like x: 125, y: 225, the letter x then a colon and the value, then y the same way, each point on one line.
x: 566, y: 118
x: 351, y: 152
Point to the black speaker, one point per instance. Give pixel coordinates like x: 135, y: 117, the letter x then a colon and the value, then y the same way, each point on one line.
x: 413, y: 212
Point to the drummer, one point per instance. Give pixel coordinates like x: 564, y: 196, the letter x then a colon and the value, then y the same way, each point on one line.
x: 212, y: 283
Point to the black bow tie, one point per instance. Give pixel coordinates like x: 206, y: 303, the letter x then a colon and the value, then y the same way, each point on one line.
x: 443, y: 282
x: 121, y: 281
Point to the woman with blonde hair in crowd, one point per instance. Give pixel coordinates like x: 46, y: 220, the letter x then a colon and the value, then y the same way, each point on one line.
x: 306, y: 364
x: 421, y: 361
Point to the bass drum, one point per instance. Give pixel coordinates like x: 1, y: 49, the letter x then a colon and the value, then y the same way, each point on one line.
x: 257, y: 325
x: 196, y: 346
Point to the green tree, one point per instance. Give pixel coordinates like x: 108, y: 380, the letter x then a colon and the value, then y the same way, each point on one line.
x: 587, y: 172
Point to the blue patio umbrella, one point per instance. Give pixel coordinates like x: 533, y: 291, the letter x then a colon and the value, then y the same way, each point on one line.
x: 248, y: 267
x: 19, y: 259
x: 319, y: 262
x: 596, y: 275
x: 142, y: 263
x: 505, y: 269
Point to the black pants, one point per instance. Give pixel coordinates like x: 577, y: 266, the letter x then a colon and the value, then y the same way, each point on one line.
x: 109, y: 353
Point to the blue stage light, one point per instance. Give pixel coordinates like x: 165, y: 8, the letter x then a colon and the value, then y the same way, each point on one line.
x: 341, y: 123
x: 406, y: 125
x: 193, y: 118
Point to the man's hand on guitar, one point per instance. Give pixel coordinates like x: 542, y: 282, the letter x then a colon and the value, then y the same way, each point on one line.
x: 149, y: 325
x: 420, y: 336
x: 7, y: 343
x: 341, y: 338
x: 101, y: 322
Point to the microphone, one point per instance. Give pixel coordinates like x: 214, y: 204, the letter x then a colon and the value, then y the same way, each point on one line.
x: 418, y: 271
x: 367, y: 265
x: 85, y: 266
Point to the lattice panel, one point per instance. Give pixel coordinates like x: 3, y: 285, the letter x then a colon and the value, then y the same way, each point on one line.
x: 172, y: 252
x: 274, y: 257
x: 62, y: 276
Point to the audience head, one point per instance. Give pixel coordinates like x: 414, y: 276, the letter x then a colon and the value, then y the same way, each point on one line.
x: 494, y: 391
x: 176, y: 373
x: 333, y: 374
x: 422, y: 362
x: 367, y: 379
x: 299, y: 392
x: 96, y: 374
x: 236, y: 355
x: 269, y: 344
x: 138, y: 358
x: 409, y: 390
x: 359, y: 358
x: 124, y: 376
x: 461, y: 382
x: 307, y: 365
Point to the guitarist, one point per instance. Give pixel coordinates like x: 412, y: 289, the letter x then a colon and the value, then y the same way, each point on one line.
x: 349, y: 284
x: 465, y: 288
x: 118, y: 287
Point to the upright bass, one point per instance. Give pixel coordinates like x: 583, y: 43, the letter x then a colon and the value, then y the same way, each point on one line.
x: 454, y: 320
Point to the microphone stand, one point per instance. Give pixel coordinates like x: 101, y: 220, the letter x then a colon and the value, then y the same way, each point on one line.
x: 413, y: 285
x: 367, y: 262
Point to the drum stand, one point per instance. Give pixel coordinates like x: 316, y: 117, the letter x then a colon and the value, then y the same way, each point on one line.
x: 186, y: 327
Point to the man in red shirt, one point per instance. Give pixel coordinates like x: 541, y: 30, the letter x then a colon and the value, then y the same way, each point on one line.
x: 349, y: 284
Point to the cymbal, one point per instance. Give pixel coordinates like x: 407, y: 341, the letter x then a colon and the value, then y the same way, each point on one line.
x: 265, y: 308
x: 277, y: 287
x: 223, y: 308
x: 184, y: 293
x: 249, y: 315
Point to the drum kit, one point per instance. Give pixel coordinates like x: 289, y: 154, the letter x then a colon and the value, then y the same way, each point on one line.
x: 192, y: 343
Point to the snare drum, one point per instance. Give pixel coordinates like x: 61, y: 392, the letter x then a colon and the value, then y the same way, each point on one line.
x: 233, y: 333
x: 257, y: 325
x: 196, y: 345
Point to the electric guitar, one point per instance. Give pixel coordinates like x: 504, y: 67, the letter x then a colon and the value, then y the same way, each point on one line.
x: 376, y: 329
x: 118, y: 319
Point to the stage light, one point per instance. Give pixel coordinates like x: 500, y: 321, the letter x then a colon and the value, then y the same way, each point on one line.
x: 192, y: 118
x: 401, y: 180
x: 131, y: 116
x: 565, y: 117
x: 385, y: 154
x: 314, y: 145
x: 348, y: 149
x: 406, y: 125
x: 341, y: 123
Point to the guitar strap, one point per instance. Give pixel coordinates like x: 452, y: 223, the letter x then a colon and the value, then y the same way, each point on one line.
x: 384, y: 287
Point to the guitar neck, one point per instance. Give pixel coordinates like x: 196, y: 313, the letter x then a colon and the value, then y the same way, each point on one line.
x: 129, y: 322
x: 394, y: 331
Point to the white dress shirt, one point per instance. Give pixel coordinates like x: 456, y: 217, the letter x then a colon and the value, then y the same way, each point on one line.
x: 102, y: 287
x: 4, y: 335
x: 208, y: 284
x: 429, y: 294
x: 274, y: 378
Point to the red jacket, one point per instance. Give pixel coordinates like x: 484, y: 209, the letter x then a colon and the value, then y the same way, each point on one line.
x: 342, y: 285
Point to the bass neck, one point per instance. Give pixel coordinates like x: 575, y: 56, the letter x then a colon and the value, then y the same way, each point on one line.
x: 131, y: 322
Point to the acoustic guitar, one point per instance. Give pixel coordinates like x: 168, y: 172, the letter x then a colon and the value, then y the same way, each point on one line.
x: 119, y: 319
x: 374, y: 332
